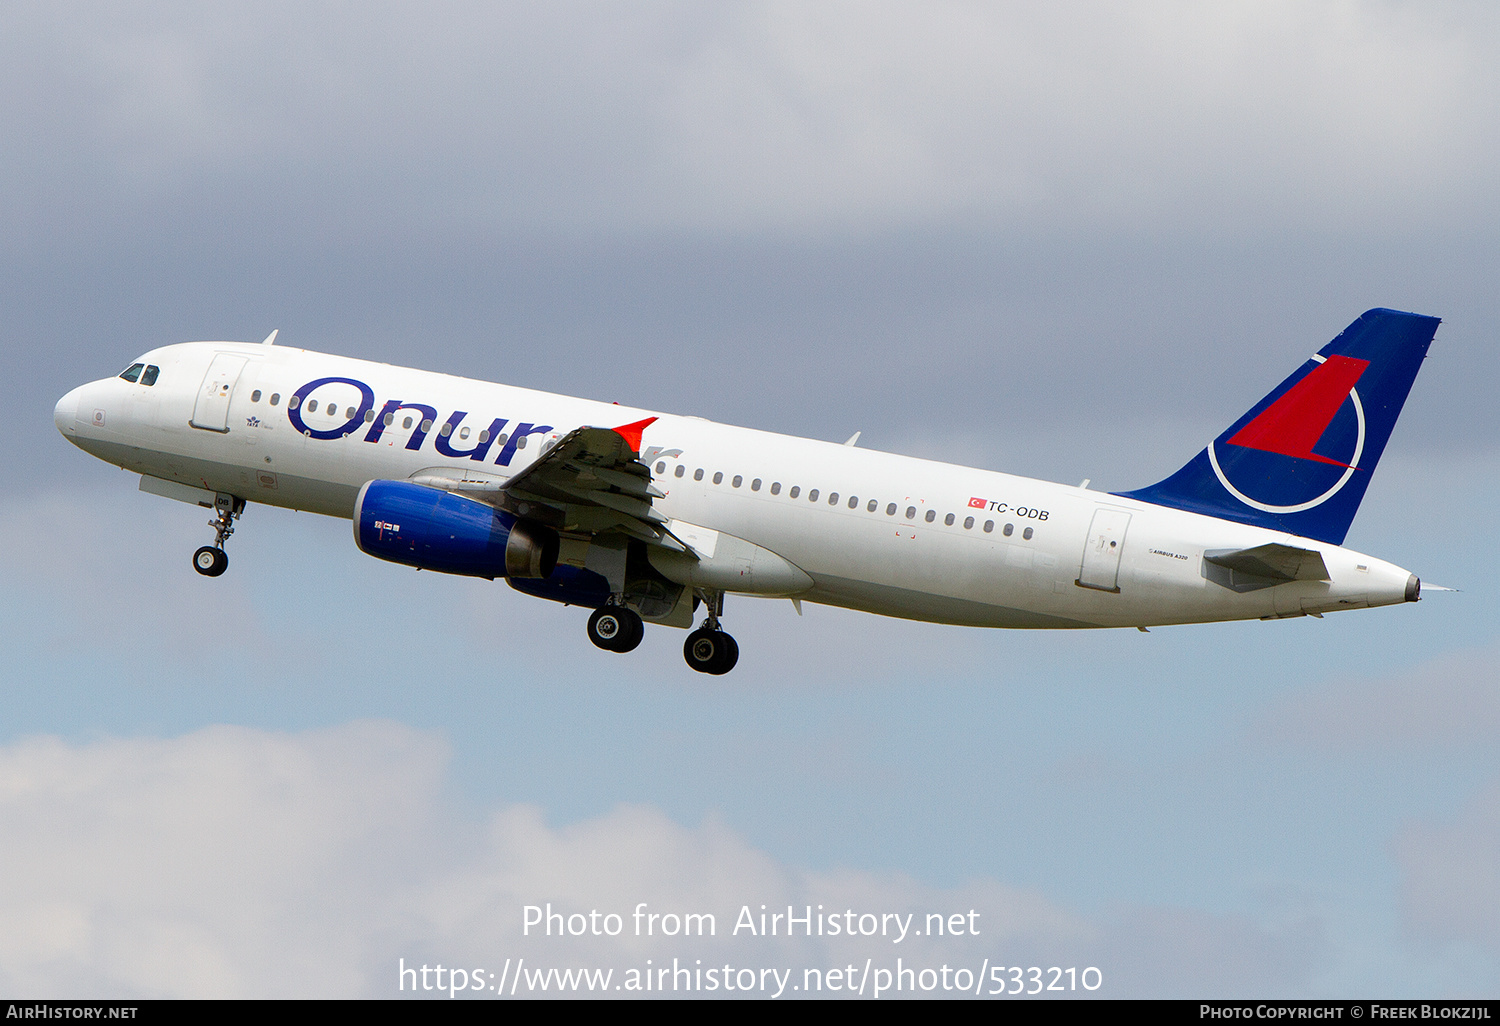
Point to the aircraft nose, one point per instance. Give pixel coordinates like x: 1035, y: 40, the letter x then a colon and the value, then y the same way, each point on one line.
x: 65, y: 414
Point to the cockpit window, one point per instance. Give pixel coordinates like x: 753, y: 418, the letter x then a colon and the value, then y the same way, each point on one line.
x: 148, y: 376
x: 133, y: 372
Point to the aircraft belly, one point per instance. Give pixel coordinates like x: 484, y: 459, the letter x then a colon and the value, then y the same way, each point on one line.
x: 910, y: 604
x: 273, y: 488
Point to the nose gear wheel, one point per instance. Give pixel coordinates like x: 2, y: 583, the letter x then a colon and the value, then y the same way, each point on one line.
x: 211, y: 560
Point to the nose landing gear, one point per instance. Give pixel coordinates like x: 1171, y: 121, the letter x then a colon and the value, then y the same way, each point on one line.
x: 708, y: 649
x: 210, y: 560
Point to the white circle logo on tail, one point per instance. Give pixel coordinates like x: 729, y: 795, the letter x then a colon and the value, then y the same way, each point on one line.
x: 1349, y: 468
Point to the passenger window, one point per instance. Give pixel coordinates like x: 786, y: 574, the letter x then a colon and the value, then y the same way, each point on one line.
x: 661, y: 467
x: 501, y: 438
x: 989, y: 525
x: 312, y: 407
x: 755, y: 485
x: 890, y: 510
x: 795, y: 491
x: 718, y: 477
x: 484, y: 435
x: 1010, y: 529
x: 294, y: 402
x: 370, y: 417
x: 406, y: 423
x: 911, y: 512
x: 948, y: 520
x: 132, y: 373
x: 737, y: 481
x: 463, y: 433
x: 680, y: 470
x: 445, y: 430
x: 1026, y: 534
x: 275, y: 398
x: 872, y: 507
x: 148, y: 376
x: 255, y: 396
x: 833, y: 498
x: 812, y: 496
x: 968, y: 523
x: 775, y: 487
x: 698, y: 474
x: 931, y: 515
x: 854, y: 502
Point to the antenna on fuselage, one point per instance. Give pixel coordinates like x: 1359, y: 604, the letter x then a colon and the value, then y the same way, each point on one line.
x: 271, y: 338
x: 853, y: 438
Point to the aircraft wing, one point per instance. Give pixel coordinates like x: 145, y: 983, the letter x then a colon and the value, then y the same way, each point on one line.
x: 591, y: 481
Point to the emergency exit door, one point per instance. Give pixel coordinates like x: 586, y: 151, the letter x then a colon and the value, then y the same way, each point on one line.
x: 1101, y: 554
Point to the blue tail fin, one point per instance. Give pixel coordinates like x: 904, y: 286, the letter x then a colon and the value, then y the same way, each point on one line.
x: 1301, y: 459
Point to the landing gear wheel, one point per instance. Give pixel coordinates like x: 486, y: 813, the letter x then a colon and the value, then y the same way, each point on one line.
x: 210, y: 562
x: 616, y: 629
x: 710, y: 651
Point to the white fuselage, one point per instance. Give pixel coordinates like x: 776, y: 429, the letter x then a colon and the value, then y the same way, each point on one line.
x: 942, y: 543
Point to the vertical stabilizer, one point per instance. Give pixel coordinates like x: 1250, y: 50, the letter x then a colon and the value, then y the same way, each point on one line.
x: 1300, y: 460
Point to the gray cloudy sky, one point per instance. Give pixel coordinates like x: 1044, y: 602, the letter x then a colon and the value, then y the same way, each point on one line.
x: 1066, y: 240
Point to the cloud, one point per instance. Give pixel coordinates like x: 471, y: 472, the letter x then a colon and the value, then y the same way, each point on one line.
x: 221, y: 863
x: 766, y: 116
x: 236, y: 862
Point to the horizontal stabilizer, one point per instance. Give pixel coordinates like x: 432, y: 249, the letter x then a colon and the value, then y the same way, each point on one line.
x: 1274, y: 561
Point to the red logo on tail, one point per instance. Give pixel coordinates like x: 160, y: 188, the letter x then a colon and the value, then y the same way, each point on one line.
x: 1292, y: 425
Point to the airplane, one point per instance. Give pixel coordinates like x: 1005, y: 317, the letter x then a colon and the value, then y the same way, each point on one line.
x: 643, y: 516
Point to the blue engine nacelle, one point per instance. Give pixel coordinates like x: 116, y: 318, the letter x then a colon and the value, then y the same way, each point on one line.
x: 570, y: 585
x: 431, y: 529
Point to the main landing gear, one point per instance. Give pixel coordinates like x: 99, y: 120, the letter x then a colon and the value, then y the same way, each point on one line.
x: 210, y: 560
x: 708, y: 649
x: 616, y: 629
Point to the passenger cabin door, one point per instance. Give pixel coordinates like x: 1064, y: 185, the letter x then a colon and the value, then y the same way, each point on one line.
x: 1101, y: 554
x: 211, y: 411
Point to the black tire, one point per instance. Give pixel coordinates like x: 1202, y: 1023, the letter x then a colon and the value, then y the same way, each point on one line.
x: 709, y: 651
x: 637, y: 631
x: 616, y: 629
x: 731, y: 654
x: 210, y: 562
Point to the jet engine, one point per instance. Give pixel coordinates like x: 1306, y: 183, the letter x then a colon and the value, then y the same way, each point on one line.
x: 432, y: 529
